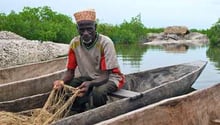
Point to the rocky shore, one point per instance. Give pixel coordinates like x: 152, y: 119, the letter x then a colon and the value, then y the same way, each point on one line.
x: 16, y: 50
x: 176, y: 36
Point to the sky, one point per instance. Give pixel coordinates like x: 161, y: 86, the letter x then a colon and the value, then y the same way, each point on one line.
x: 195, y: 14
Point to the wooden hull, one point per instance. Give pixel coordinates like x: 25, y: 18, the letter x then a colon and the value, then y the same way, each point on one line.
x: 28, y: 71
x: 154, y: 85
x: 201, y: 107
x: 163, y: 90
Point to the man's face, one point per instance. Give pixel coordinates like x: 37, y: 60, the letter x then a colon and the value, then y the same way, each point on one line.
x: 87, y: 31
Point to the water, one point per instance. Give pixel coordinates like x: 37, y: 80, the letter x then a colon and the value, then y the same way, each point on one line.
x: 137, y: 58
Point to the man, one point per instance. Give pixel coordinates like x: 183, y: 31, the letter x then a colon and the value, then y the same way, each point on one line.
x: 94, y: 55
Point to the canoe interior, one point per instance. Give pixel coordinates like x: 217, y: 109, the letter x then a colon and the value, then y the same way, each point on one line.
x: 201, y: 107
x: 142, y: 81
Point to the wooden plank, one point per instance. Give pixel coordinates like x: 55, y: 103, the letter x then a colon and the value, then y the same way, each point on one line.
x: 216, y: 121
x: 123, y: 93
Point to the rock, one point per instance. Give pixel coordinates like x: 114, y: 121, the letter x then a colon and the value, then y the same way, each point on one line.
x: 163, y: 43
x: 19, y: 51
x: 9, y: 35
x: 152, y: 36
x: 172, y: 36
x: 179, y: 30
x: 195, y: 36
x: 177, y: 35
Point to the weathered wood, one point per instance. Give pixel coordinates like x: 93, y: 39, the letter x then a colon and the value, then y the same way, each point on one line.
x: 154, y: 85
x: 123, y: 93
x: 155, y: 94
x: 216, y: 121
x: 201, y: 107
x: 27, y: 71
x: 37, y: 101
x: 28, y: 87
x: 26, y: 103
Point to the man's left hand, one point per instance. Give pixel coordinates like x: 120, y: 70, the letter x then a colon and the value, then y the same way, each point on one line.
x: 84, y: 87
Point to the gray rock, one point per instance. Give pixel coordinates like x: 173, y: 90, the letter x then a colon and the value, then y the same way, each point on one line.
x: 189, y: 39
x: 21, y: 51
x: 9, y: 35
x: 179, y: 30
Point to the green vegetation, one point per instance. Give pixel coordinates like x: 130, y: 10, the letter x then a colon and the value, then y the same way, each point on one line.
x: 46, y: 25
x: 39, y: 24
x: 214, y: 34
x: 127, y: 32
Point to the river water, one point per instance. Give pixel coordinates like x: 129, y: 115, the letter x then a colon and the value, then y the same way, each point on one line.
x: 138, y: 58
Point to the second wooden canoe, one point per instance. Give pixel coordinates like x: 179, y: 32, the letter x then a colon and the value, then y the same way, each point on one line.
x: 201, y: 107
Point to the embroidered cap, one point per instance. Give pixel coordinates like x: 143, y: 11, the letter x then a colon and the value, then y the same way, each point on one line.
x: 89, y: 14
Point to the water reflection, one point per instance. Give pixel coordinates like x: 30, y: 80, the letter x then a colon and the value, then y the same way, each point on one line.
x: 135, y: 58
x: 176, y: 48
x: 213, y: 54
x: 131, y: 54
x: 134, y: 53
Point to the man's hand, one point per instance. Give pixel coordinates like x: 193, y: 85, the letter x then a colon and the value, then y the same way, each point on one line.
x: 58, y: 84
x: 84, y: 87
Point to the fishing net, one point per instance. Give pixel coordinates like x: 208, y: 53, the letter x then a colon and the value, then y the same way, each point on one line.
x: 56, y: 107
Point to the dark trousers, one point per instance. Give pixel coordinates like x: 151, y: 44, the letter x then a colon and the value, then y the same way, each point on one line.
x: 98, y: 93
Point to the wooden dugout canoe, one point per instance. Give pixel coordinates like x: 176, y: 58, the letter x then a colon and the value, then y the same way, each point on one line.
x: 201, y: 107
x: 30, y: 79
x: 151, y: 85
x: 154, y: 85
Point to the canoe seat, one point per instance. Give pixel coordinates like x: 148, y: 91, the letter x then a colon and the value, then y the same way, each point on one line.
x: 123, y: 93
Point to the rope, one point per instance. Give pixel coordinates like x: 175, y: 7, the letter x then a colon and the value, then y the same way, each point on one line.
x: 56, y: 107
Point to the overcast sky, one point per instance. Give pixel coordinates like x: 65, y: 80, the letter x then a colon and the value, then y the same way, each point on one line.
x: 199, y: 14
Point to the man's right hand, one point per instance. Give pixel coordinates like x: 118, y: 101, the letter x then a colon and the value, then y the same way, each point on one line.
x: 58, y: 84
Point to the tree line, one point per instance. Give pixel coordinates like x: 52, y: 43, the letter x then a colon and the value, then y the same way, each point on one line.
x: 39, y: 24
x: 42, y: 23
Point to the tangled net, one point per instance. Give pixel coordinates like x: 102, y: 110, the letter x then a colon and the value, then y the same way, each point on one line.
x: 56, y: 107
